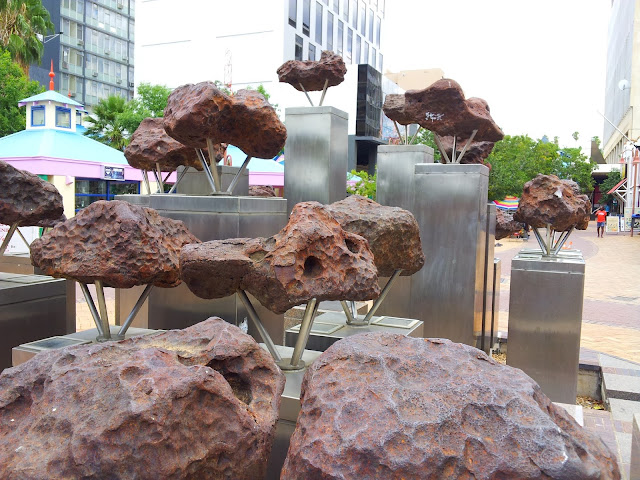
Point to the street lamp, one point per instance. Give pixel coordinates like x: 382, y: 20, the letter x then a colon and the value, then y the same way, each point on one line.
x: 47, y: 38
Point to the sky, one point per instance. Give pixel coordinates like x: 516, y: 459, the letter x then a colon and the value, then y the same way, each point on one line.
x: 539, y: 64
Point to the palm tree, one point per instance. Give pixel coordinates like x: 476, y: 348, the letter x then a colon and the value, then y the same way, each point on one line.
x: 106, y: 126
x: 23, y: 24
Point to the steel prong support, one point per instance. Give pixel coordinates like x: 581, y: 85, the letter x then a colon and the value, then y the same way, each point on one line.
x: 324, y: 91
x: 305, y: 329
x: 102, y: 305
x: 347, y: 311
x: 438, y: 141
x: 383, y: 294
x: 145, y: 177
x: 237, y: 176
x: 158, y: 174
x: 7, y: 239
x: 207, y: 171
x: 466, y: 146
x: 179, y: 179
x: 214, y: 166
x: 134, y: 311
x: 253, y: 315
x: 308, y: 97
x: 92, y: 308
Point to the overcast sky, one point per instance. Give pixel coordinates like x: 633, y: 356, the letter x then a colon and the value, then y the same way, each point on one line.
x: 539, y: 64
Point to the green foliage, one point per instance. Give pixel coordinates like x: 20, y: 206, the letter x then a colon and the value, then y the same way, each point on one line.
x: 517, y: 159
x: 366, y: 187
x: 21, y: 22
x: 575, y: 136
x: 597, y: 140
x: 14, y: 86
x: 106, y: 124
x: 150, y: 101
x: 425, y: 137
x: 607, y: 184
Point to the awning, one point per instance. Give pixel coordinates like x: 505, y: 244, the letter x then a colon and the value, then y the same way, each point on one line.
x: 509, y: 203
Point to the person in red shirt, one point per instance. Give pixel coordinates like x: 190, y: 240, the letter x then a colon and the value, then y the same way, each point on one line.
x: 601, y: 217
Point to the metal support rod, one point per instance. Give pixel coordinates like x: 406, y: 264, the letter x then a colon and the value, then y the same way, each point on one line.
x: 561, y: 241
x: 136, y: 308
x: 23, y: 239
x: 166, y: 178
x: 180, y: 177
x: 253, y: 315
x: 347, y: 311
x: 415, y: 135
x: 453, y: 151
x: 305, y: 329
x: 214, y: 165
x: 236, y: 178
x: 406, y: 134
x: 7, y: 239
x: 158, y: 174
x: 549, y: 240
x: 92, y: 307
x: 145, y: 177
x: 539, y: 238
x: 383, y: 294
x: 102, y: 305
x: 395, y: 124
x: 438, y: 140
x: 466, y: 146
x: 308, y: 97
x: 324, y: 91
x: 207, y: 171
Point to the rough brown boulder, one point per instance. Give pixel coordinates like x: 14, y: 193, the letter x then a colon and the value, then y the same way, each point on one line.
x: 505, y: 224
x: 442, y: 108
x: 393, y: 233
x: 476, y: 153
x: 312, y: 257
x: 311, y: 74
x: 548, y: 200
x: 245, y: 119
x: 118, y: 243
x: 150, y: 144
x: 381, y: 405
x: 186, y: 404
x: 26, y: 199
x: 261, y: 191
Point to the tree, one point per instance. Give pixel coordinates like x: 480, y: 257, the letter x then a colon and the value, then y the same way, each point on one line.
x: 575, y: 136
x: 14, y: 86
x: 106, y: 122
x: 150, y: 101
x: 23, y: 24
x: 425, y: 137
x: 366, y: 186
x: 607, y: 184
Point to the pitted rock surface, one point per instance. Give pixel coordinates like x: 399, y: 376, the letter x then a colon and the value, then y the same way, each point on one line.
x: 505, y: 224
x: 476, y: 153
x: 186, y: 404
x: 150, y: 144
x: 311, y: 257
x: 381, y: 405
x: 51, y: 222
x: 313, y: 75
x: 548, y: 200
x: 245, y: 119
x: 442, y: 108
x: 394, y: 109
x: 261, y: 191
x: 116, y: 242
x: 27, y: 199
x: 393, y: 233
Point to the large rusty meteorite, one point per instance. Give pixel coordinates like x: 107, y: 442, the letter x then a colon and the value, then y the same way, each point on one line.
x: 199, y: 112
x: 116, y: 242
x: 26, y: 199
x: 387, y: 406
x: 548, y: 200
x: 505, y: 224
x: 198, y: 403
x: 312, y: 257
x: 312, y: 75
x: 477, y: 152
x: 393, y: 233
x: 150, y: 144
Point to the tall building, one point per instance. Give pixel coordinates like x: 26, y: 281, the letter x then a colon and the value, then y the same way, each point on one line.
x: 94, y: 50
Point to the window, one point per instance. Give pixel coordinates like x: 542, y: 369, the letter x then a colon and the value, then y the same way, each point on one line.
x: 37, y: 116
x: 345, y: 10
x: 380, y: 62
x: 78, y: 118
x: 363, y: 20
x: 89, y: 191
x: 329, y: 31
x: 293, y: 12
x: 374, y: 55
x: 336, y: 6
x: 358, y: 48
x: 63, y: 117
x: 312, y: 51
x: 365, y: 53
x: 340, y: 39
x: 349, y: 44
x: 299, y: 45
x: 306, y: 17
x: 354, y: 13
x: 370, y: 26
x: 378, y: 32
x: 319, y: 23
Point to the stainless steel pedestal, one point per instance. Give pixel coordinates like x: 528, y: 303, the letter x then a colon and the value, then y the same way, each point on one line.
x: 317, y: 145
x: 208, y: 218
x: 195, y: 182
x: 545, y: 319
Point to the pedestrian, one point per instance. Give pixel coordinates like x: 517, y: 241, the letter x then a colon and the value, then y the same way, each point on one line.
x: 601, y: 218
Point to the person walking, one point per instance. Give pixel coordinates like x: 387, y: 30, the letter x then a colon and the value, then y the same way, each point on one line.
x: 601, y: 218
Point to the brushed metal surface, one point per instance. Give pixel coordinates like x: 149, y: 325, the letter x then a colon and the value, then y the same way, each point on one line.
x: 195, y: 182
x: 545, y: 319
x: 396, y: 167
x: 450, y: 205
x: 317, y: 145
x: 495, y: 302
x: 482, y: 329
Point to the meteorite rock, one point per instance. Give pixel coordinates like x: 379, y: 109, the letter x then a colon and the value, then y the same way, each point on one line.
x: 476, y: 153
x: 186, y: 404
x: 27, y: 199
x: 548, y: 200
x: 261, y: 191
x: 394, y: 109
x: 393, y: 233
x: 505, y: 224
x: 150, y: 144
x: 312, y: 75
x: 312, y: 257
x: 381, y: 405
x: 246, y: 120
x: 442, y: 108
x: 121, y: 244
